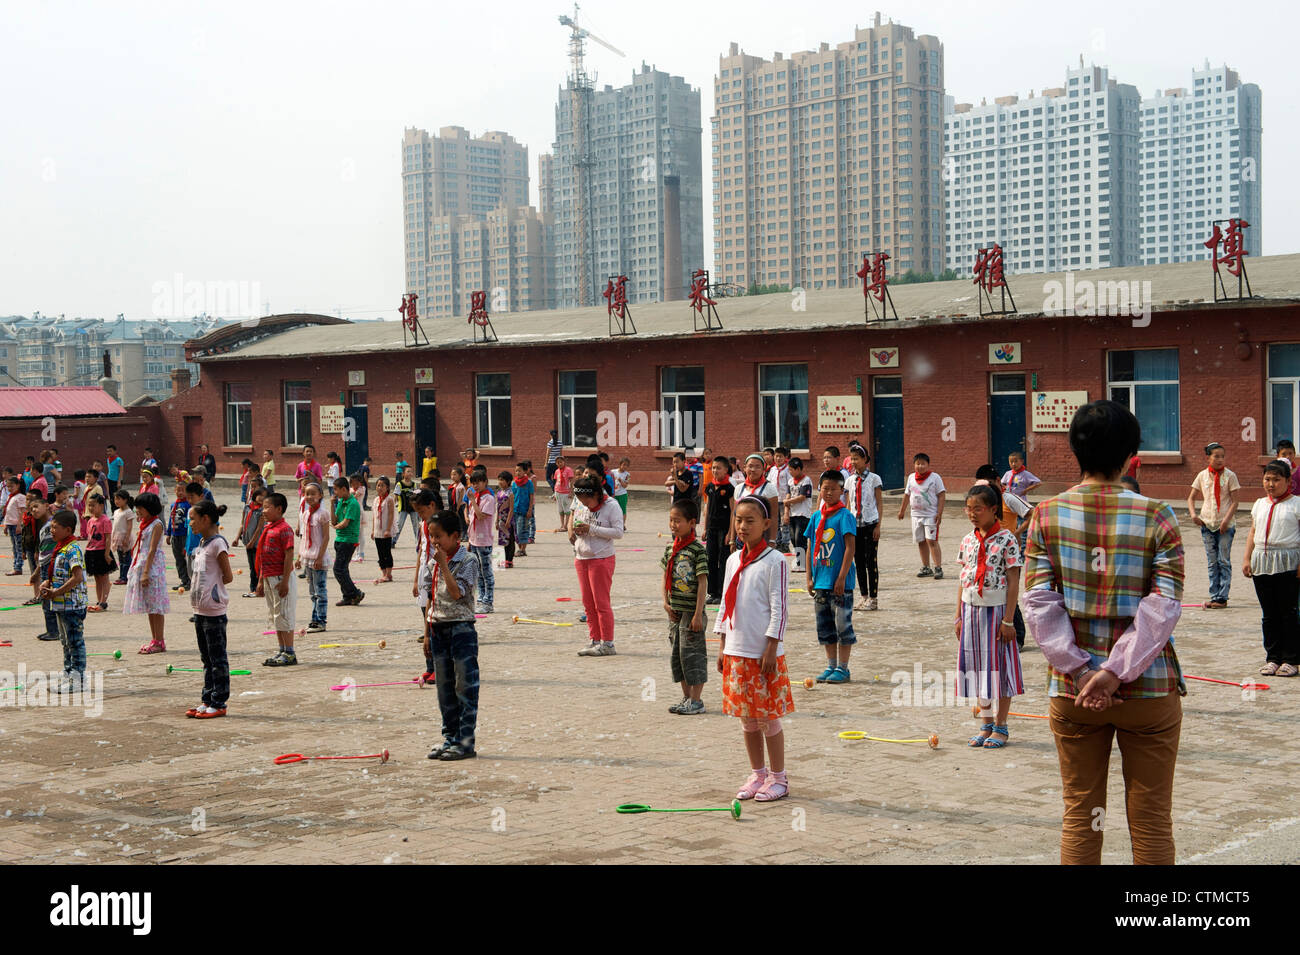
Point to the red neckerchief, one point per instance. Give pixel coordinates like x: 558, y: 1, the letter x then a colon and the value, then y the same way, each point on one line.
x: 829, y: 509
x: 1217, y: 475
x: 1017, y: 470
x: 921, y: 476
x: 139, y: 536
x: 1268, y: 525
x: 747, y: 557
x: 981, y: 559
x: 252, y: 511
x: 679, y: 544
x: 857, y: 492
x: 478, y: 496
x: 754, y: 487
x: 311, y: 511
x: 424, y: 543
x: 725, y: 479
x: 379, y: 512
x: 521, y: 481
x: 62, y: 547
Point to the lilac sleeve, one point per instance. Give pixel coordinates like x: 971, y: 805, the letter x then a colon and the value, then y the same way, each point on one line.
x: 1048, y: 622
x: 1145, y: 637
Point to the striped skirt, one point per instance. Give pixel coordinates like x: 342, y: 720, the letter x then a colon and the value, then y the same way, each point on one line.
x: 987, y: 668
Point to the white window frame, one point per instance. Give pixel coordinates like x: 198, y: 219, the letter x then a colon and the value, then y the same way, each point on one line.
x: 233, y: 410
x: 778, y: 439
x: 491, y: 402
x: 293, y: 408
x: 1272, y: 380
x: 566, y: 398
x: 1113, y: 387
x: 671, y: 422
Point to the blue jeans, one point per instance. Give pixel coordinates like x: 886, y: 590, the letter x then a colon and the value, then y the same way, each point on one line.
x: 51, y: 620
x: 402, y: 517
x: 522, y: 536
x: 320, y: 599
x: 454, y: 649
x: 70, y: 626
x: 1218, y: 554
x: 15, y: 536
x: 834, y: 618
x: 486, y: 581
x: 211, y: 634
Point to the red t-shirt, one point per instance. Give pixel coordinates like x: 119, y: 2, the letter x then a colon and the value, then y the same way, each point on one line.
x: 275, y: 542
x: 563, y: 480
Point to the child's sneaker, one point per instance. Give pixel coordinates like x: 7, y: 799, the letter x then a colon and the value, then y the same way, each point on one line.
x: 210, y: 712
x: 872, y: 604
x: 315, y: 627
x: 839, y: 675
x: 677, y: 707
x: 590, y: 650
x: 827, y: 673
x: 938, y: 572
x: 691, y: 707
x: 605, y: 649
x: 925, y: 572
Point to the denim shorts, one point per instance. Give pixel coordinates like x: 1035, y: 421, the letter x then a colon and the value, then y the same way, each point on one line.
x: 834, y: 617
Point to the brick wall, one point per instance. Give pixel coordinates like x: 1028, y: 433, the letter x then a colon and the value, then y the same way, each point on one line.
x: 945, y: 372
x: 81, y: 441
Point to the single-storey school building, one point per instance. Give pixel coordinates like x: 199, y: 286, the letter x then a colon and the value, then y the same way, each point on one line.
x: 804, y: 370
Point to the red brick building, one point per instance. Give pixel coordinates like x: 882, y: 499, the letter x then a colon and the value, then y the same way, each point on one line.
x: 807, y: 372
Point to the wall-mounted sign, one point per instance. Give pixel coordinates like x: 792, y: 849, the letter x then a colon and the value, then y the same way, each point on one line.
x: 356, y: 379
x: 424, y: 376
x: 1004, y: 353
x: 884, y: 357
x: 1054, y: 410
x: 839, y: 413
x: 397, y: 416
x: 331, y: 419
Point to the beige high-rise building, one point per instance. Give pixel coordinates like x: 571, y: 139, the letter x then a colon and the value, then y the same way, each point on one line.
x: 827, y: 155
x: 455, y: 174
x: 504, y: 253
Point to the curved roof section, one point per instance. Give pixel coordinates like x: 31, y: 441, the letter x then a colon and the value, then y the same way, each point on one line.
x: 240, y: 335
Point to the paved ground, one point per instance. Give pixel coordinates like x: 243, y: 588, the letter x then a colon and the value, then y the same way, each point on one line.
x: 564, y: 739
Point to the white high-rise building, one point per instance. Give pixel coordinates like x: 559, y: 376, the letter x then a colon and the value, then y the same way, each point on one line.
x: 1200, y: 162
x: 1053, y: 178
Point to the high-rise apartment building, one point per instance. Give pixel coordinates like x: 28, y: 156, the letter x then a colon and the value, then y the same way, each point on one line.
x: 645, y: 190
x: 505, y: 253
x: 455, y: 174
x: 828, y: 155
x: 1053, y: 179
x: 1200, y: 162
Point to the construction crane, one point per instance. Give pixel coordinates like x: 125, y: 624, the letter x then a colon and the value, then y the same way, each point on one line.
x: 580, y: 94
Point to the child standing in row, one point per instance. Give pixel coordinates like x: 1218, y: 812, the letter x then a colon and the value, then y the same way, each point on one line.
x: 622, y: 482
x: 427, y: 507
x: 381, y: 529
x: 275, y: 579
x: 64, y: 590
x: 926, y: 496
x: 123, y: 533
x: 685, y: 565
x: 988, y: 661
x: 830, y: 576
x: 146, y: 586
x: 562, y: 478
x: 480, y: 514
x: 864, y: 497
x: 452, y: 640
x: 522, y: 507
x: 798, y: 510
x: 98, y: 527
x: 14, y: 509
x: 1273, y: 564
x: 250, y: 531
x: 751, y: 657
x: 208, y: 598
x: 718, y: 495
x: 1219, y: 489
x: 315, y: 555
x: 597, y: 523
x: 506, y: 518
x: 178, y: 533
x: 346, y: 522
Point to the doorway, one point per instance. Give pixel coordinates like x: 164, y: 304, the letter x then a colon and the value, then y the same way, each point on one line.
x: 1006, y: 418
x: 887, y: 430
x: 356, y: 433
x: 426, y: 422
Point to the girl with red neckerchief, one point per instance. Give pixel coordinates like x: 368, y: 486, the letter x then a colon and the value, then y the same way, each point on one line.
x: 756, y: 484
x: 751, y: 657
x: 1273, y: 564
x: 381, y: 529
x: 146, y: 586
x: 988, y: 659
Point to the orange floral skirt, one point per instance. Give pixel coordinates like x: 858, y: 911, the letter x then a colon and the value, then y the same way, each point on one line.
x: 747, y: 692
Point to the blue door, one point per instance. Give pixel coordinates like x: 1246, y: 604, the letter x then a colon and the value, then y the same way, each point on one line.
x: 356, y: 434
x: 1006, y: 418
x: 426, y: 426
x: 887, y: 430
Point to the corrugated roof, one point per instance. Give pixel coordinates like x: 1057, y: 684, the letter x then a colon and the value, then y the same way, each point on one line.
x: 1274, y: 280
x: 74, y: 402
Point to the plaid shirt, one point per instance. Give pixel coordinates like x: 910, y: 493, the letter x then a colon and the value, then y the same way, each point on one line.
x: 1104, y: 549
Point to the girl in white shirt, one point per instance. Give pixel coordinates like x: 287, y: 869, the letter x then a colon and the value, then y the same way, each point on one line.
x: 751, y: 658
x: 597, y: 523
x: 1273, y: 563
x: 381, y: 528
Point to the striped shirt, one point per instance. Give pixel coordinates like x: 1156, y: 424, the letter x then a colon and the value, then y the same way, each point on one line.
x: 1104, y: 549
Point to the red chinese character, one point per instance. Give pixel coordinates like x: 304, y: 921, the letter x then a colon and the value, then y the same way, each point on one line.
x: 875, y: 271
x: 407, y: 311
x: 1234, y: 246
x: 988, y: 268
x: 616, y: 295
x: 700, y: 291
x: 478, y: 312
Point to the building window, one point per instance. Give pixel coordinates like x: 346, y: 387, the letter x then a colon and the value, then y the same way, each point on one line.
x: 1146, y: 383
x: 1283, y: 393
x: 681, y: 406
x: 578, y: 409
x: 783, y: 405
x: 493, y: 396
x: 297, y: 413
x: 239, y: 415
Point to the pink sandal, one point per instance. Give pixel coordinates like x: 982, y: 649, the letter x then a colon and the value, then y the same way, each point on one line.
x: 154, y: 646
x: 776, y: 788
x: 753, y: 785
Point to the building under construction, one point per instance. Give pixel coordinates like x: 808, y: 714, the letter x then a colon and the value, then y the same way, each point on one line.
x: 624, y: 184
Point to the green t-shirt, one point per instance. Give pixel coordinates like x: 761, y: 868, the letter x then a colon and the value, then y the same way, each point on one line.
x: 690, y: 567
x: 347, y: 510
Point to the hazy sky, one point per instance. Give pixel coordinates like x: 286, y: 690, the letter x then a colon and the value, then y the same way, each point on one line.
x: 260, y: 142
